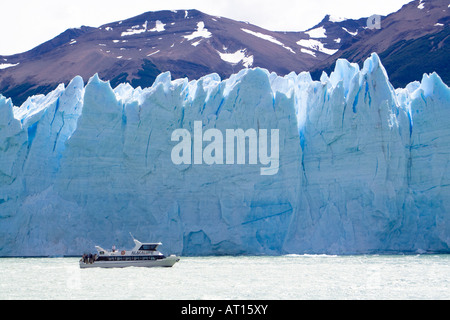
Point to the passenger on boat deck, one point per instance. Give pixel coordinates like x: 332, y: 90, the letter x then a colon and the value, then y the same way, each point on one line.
x: 113, y: 248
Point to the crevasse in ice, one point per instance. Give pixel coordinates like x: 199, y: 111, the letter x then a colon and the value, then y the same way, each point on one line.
x: 363, y: 168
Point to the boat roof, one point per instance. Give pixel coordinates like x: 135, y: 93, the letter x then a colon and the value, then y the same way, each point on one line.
x: 137, y: 242
x: 137, y: 246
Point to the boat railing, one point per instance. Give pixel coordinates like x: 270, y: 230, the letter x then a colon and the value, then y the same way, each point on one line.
x: 89, y: 258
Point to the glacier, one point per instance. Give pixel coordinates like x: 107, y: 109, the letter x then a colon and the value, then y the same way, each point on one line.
x: 363, y: 167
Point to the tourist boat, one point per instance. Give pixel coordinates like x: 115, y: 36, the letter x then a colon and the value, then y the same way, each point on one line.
x: 142, y: 255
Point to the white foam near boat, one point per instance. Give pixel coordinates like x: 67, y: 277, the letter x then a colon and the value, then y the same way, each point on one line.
x: 142, y: 255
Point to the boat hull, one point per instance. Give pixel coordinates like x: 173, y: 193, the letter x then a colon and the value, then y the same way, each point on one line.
x: 166, y: 262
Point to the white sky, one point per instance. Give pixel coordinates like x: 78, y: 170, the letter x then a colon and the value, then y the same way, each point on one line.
x: 25, y: 24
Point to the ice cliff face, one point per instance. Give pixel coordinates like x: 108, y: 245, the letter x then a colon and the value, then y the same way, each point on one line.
x: 363, y: 168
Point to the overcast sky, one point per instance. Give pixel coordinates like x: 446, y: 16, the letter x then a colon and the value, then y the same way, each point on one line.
x: 25, y: 24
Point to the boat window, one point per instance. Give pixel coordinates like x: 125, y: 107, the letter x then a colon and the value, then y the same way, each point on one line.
x: 148, y: 247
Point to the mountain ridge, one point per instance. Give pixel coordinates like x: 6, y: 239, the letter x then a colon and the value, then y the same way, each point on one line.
x: 189, y: 43
x: 411, y: 41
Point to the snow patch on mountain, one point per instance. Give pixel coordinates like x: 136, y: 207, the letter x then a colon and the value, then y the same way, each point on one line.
x: 421, y: 5
x: 8, y: 65
x: 236, y: 57
x: 307, y: 51
x: 159, y: 27
x: 319, y: 32
x: 137, y: 29
x: 332, y: 18
x: 200, y: 32
x: 349, y: 32
x: 268, y: 38
x: 316, y: 45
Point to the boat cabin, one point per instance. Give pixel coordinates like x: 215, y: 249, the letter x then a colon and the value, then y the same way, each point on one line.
x: 139, y: 249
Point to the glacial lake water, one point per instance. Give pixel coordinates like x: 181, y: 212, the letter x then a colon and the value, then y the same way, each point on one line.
x: 305, y: 277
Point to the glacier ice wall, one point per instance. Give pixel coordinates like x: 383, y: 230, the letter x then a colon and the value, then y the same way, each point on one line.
x: 363, y: 167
